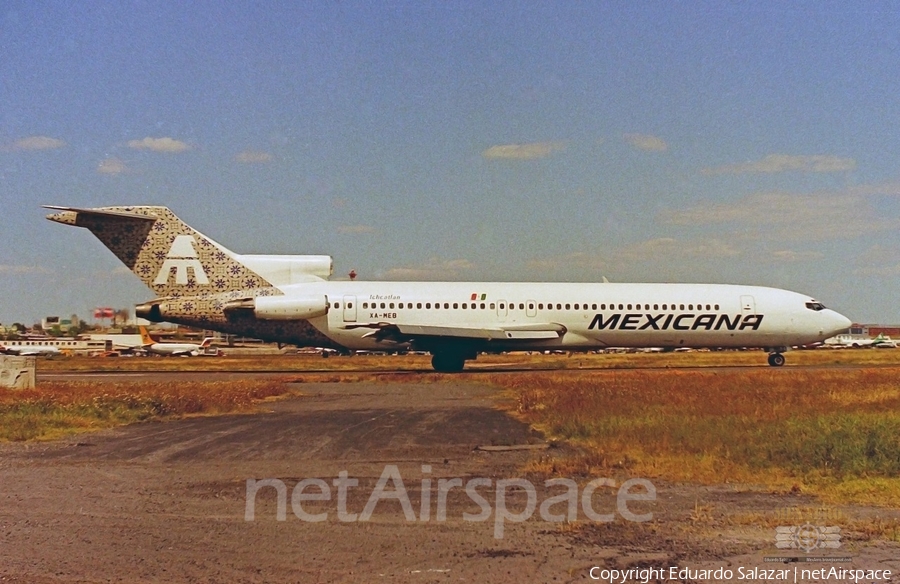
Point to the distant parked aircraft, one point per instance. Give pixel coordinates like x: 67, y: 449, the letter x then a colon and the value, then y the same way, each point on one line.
x: 29, y: 348
x: 882, y: 341
x: 172, y: 349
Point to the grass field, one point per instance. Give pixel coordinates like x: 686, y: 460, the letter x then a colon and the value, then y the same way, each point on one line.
x: 56, y: 409
x: 832, y: 432
x: 829, y: 431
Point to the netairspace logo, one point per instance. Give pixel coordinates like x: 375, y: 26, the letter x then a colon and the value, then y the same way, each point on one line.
x: 808, y: 537
x: 390, y: 487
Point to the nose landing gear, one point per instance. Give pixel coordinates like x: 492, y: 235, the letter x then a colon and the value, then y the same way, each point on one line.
x: 776, y: 359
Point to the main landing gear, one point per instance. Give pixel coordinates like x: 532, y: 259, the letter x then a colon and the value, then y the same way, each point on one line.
x: 448, y: 362
x: 776, y: 359
x: 452, y: 359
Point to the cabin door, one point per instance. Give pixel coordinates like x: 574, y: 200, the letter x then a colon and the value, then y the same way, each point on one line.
x: 349, y: 308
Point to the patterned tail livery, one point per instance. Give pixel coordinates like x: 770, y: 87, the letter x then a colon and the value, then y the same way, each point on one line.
x: 169, y: 256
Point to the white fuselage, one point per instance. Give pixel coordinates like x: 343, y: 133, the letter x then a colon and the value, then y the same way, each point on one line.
x: 592, y: 315
x: 32, y: 348
x: 174, y: 349
x: 284, y: 299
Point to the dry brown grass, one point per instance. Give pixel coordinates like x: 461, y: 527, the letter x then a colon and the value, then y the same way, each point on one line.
x: 520, y: 361
x: 259, y: 362
x: 55, y: 409
x: 834, y: 432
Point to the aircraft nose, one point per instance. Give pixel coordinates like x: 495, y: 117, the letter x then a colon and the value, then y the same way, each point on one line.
x: 839, y: 323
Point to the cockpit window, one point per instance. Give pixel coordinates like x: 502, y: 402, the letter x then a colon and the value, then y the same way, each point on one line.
x: 817, y: 306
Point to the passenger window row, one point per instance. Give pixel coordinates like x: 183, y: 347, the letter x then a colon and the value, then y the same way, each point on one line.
x: 540, y: 306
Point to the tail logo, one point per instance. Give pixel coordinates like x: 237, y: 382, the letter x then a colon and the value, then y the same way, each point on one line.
x: 182, y: 257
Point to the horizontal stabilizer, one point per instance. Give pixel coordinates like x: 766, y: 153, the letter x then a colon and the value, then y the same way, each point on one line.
x: 93, y: 212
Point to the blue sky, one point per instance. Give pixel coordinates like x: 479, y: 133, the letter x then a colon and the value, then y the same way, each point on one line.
x: 667, y: 141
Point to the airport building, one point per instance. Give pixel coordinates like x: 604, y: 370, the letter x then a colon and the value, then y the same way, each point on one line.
x: 49, y: 323
x: 873, y: 330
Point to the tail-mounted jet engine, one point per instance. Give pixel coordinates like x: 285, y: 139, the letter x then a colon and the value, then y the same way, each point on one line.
x: 212, y: 308
x: 281, y: 307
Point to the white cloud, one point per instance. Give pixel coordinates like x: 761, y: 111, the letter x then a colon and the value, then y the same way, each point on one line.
x: 34, y: 143
x: 523, y: 151
x: 785, y: 163
x: 356, y: 229
x: 885, y: 189
x: 892, y: 270
x: 879, y: 260
x: 253, y: 157
x: 112, y: 165
x: 661, y: 249
x: 817, y: 216
x: 789, y: 255
x: 8, y: 269
x: 578, y: 258
x: 646, y: 142
x: 169, y: 145
x: 668, y: 247
x: 879, y: 254
x: 433, y: 269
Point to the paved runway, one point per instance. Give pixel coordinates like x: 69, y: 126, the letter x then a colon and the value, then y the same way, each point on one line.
x: 167, y: 501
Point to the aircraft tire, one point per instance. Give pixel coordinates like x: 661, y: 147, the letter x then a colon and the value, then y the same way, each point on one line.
x: 448, y: 362
x: 776, y: 359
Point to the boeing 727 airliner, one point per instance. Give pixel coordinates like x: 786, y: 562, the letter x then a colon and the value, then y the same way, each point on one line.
x: 288, y: 299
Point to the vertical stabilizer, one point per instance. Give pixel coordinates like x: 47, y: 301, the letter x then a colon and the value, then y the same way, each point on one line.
x: 168, y: 255
x: 146, y: 339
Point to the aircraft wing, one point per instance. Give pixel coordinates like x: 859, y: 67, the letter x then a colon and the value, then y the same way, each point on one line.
x: 401, y: 333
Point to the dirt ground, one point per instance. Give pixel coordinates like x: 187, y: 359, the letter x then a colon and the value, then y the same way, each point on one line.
x: 167, y: 502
